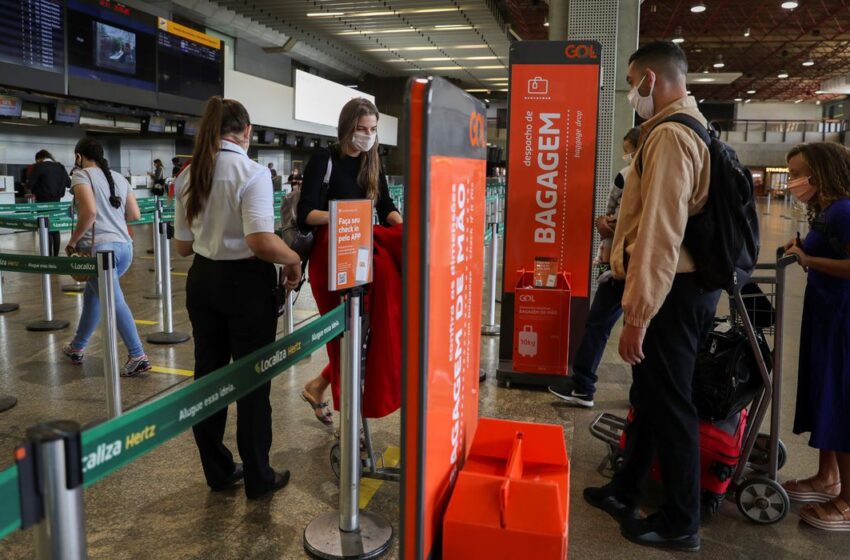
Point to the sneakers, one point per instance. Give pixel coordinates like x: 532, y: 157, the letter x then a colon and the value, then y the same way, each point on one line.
x: 75, y: 354
x: 648, y: 532
x: 136, y: 366
x: 567, y: 391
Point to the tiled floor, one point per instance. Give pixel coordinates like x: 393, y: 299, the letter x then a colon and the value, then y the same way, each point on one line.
x: 159, y: 507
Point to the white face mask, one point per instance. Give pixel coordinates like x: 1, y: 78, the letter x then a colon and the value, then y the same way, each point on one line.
x: 644, y: 106
x: 364, y: 142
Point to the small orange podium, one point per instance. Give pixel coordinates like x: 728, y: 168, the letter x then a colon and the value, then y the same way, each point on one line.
x: 511, y: 499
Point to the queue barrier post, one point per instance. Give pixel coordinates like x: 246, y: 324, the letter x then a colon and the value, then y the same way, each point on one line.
x: 51, y: 490
x: 157, y: 249
x: 289, y: 324
x: 48, y: 323
x: 167, y: 335
x: 106, y: 288
x: 492, y: 328
x: 349, y: 533
x: 6, y: 307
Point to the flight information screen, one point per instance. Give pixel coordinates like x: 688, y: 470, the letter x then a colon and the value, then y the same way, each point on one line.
x: 190, y: 62
x: 32, y: 34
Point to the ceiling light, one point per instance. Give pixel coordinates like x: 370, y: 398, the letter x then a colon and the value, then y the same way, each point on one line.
x: 505, y: 90
x: 739, y: 99
x: 719, y: 63
x: 452, y: 27
x: 748, y: 101
x: 817, y: 102
x: 478, y: 58
x: 546, y: 22
x: 705, y: 80
x: 820, y: 92
x: 325, y: 14
x: 468, y: 47
x: 401, y: 12
x: 492, y: 67
x: 495, y: 79
x: 751, y: 92
x: 678, y: 38
x: 702, y: 100
x: 434, y: 59
x: 698, y: 8
x: 790, y: 5
x: 747, y: 32
x: 445, y: 68
x: 377, y: 31
x: 809, y: 63
x: 782, y: 75
x: 705, y: 71
x: 799, y: 101
x: 477, y: 90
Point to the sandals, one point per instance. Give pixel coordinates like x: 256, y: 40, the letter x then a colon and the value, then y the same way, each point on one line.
x: 818, y: 493
x: 321, y: 409
x: 830, y: 516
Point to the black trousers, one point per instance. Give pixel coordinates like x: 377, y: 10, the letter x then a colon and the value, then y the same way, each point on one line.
x: 232, y: 310
x: 54, y: 243
x: 665, y: 420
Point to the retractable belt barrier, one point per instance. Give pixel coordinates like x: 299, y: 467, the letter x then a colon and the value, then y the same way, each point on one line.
x: 48, y: 265
x: 118, y: 442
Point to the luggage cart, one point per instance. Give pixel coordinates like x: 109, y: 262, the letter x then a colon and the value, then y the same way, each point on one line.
x: 372, y: 464
x: 758, y: 494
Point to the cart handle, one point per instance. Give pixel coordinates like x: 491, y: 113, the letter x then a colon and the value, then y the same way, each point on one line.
x: 783, y: 260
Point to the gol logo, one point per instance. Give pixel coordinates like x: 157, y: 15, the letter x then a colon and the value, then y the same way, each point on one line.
x: 477, y: 130
x: 526, y: 298
x: 581, y: 51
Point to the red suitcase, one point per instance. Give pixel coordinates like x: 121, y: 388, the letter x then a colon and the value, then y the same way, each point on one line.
x: 720, y: 451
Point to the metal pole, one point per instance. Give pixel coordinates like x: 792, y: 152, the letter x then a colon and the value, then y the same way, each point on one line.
x: 46, y: 324
x: 492, y: 328
x: 349, y: 533
x: 778, y: 355
x: 157, y: 250
x: 289, y: 324
x: 349, y: 483
x: 167, y: 335
x: 106, y: 289
x: 559, y: 17
x: 5, y: 307
x: 61, y: 534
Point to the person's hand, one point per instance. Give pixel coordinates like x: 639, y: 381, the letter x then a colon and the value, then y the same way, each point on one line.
x: 603, y: 226
x: 790, y: 244
x: 70, y: 249
x: 292, y: 273
x: 802, y: 257
x: 631, y: 344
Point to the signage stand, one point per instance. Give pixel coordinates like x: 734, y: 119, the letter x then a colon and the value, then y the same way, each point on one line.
x: 553, y: 115
x: 349, y: 532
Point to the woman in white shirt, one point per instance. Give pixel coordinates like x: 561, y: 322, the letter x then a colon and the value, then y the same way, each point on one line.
x: 224, y: 215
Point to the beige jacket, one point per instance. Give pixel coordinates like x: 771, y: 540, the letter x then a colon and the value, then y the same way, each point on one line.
x: 657, y: 200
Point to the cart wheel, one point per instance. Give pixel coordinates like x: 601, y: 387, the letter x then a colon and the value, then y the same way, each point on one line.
x: 761, y: 453
x: 335, y: 459
x: 762, y: 500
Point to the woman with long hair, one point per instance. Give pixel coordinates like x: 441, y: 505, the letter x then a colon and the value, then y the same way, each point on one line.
x: 355, y: 173
x: 820, y: 178
x: 105, y: 202
x: 224, y: 215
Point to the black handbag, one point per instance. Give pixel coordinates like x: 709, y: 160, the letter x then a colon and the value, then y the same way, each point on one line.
x: 301, y: 241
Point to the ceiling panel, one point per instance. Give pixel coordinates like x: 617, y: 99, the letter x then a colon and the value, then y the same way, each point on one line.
x: 461, y: 39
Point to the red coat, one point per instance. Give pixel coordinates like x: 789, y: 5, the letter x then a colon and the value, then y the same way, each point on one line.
x: 382, y: 389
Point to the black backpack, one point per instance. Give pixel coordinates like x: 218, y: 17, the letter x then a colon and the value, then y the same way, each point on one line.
x: 724, y: 238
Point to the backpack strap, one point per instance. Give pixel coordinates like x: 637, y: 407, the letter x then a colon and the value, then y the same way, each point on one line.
x: 685, y: 120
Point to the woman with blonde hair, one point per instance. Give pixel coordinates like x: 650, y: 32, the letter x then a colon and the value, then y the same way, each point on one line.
x: 352, y: 170
x: 820, y: 178
x: 224, y: 215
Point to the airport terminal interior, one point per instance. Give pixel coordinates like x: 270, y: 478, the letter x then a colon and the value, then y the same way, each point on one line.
x: 454, y: 81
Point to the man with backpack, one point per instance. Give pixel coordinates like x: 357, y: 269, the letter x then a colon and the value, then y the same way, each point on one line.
x: 667, y: 306
x: 48, y: 182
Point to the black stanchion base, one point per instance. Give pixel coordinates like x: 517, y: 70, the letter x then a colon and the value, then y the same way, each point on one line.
x: 75, y: 288
x: 324, y: 539
x: 168, y: 338
x: 7, y: 402
x: 152, y: 296
x: 508, y: 377
x: 7, y: 307
x: 482, y: 375
x: 55, y: 325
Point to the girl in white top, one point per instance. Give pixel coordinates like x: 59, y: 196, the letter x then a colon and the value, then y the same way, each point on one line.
x: 224, y: 215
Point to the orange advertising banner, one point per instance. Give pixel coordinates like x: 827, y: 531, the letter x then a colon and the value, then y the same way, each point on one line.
x: 552, y: 137
x: 350, y: 247
x: 445, y: 204
x: 552, y: 164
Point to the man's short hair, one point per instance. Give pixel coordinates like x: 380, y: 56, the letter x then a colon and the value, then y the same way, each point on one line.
x: 43, y: 154
x: 663, y: 57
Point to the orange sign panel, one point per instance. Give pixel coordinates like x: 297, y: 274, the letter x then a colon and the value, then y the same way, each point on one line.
x: 350, y: 246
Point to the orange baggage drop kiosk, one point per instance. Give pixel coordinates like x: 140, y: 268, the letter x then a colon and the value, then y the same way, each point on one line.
x: 443, y: 266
